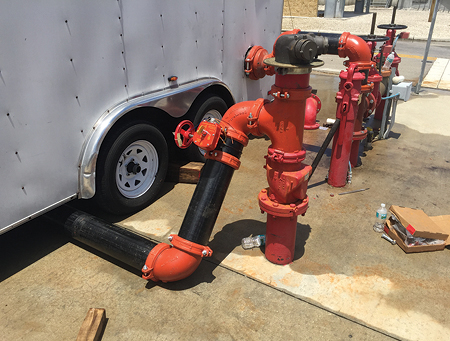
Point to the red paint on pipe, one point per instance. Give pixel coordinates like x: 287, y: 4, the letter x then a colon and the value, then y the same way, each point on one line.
x: 347, y: 99
x: 282, y: 120
x: 280, y: 239
x: 313, y: 105
x: 355, y: 49
x: 172, y: 263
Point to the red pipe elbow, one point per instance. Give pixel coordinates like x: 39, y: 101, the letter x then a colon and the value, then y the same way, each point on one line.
x: 172, y: 263
x: 242, y: 119
x: 354, y: 48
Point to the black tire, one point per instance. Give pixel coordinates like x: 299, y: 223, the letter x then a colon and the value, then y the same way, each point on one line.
x: 131, y: 168
x: 212, y: 106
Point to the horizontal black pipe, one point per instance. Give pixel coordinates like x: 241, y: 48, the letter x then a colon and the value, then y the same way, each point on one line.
x: 119, y: 243
x: 208, y: 196
x: 332, y: 42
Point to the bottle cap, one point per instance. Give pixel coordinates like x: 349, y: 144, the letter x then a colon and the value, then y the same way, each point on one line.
x: 383, y: 205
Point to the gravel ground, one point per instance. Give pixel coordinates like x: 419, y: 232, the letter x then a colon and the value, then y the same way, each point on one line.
x: 416, y: 20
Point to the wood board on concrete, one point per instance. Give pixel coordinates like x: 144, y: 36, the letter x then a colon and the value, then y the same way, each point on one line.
x: 188, y: 173
x: 93, y: 325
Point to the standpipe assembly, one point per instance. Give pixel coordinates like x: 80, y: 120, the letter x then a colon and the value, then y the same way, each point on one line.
x: 282, y: 119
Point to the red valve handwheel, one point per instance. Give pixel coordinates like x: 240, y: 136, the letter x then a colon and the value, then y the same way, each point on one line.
x: 183, y: 137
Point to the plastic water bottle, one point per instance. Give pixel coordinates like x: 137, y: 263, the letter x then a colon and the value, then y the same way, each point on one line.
x: 388, y: 62
x: 381, y: 218
x: 251, y: 242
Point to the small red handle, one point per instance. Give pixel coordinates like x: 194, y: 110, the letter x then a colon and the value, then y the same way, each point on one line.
x: 183, y: 137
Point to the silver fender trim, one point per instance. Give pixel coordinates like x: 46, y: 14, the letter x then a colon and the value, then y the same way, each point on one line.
x: 176, y: 101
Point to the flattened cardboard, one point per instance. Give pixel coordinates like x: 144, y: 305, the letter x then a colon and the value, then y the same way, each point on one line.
x: 409, y: 249
x: 418, y: 223
x: 443, y: 221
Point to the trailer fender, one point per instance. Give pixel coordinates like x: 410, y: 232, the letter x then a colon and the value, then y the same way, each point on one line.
x: 176, y: 101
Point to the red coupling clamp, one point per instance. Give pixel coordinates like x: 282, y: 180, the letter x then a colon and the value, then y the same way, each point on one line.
x: 225, y: 158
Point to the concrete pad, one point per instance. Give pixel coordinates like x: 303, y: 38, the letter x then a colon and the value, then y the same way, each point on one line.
x: 426, y: 113
x: 340, y: 263
x: 51, y: 283
x: 365, y: 287
x: 444, y: 84
x: 434, y: 75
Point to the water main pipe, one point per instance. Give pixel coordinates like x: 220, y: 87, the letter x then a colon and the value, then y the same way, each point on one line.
x: 282, y: 120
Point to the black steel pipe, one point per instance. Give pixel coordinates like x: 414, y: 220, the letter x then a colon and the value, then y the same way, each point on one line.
x: 331, y: 44
x: 325, y: 144
x: 208, y: 196
x: 393, y: 15
x: 119, y: 243
x: 374, y: 22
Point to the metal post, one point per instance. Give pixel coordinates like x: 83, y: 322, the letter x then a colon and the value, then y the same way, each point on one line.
x: 427, y: 48
x: 330, y: 8
x: 387, y: 105
x: 367, y: 5
x: 374, y: 22
x: 340, y: 7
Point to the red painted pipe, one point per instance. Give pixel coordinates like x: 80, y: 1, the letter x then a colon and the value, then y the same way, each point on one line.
x: 347, y: 99
x: 172, y: 263
x: 282, y: 120
x: 355, y: 49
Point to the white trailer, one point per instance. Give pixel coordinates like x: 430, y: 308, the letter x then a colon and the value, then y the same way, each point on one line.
x: 87, y: 102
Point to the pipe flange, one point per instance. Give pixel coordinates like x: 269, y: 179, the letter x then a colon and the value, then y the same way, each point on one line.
x: 385, y: 73
x: 367, y: 88
x: 361, y: 65
x: 315, y: 63
x: 281, y: 210
x: 374, y: 78
x: 359, y: 135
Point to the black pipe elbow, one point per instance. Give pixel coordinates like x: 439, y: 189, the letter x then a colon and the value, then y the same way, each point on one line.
x: 295, y: 49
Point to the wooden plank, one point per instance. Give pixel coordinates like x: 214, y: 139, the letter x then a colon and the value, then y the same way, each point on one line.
x: 184, y: 172
x: 93, y: 325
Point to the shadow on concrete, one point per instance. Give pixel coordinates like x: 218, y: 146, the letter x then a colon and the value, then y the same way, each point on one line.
x: 89, y: 206
x: 227, y: 239
x: 315, y: 149
x: 26, y: 244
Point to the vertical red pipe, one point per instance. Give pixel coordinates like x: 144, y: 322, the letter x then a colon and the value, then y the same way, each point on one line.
x: 280, y: 239
x: 358, y: 133
x: 347, y: 98
x: 283, y: 121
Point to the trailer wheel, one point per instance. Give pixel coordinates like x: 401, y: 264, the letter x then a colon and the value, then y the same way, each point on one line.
x: 212, y: 107
x: 131, y: 168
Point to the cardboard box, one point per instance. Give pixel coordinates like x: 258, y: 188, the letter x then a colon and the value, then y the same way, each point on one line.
x: 419, y: 224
